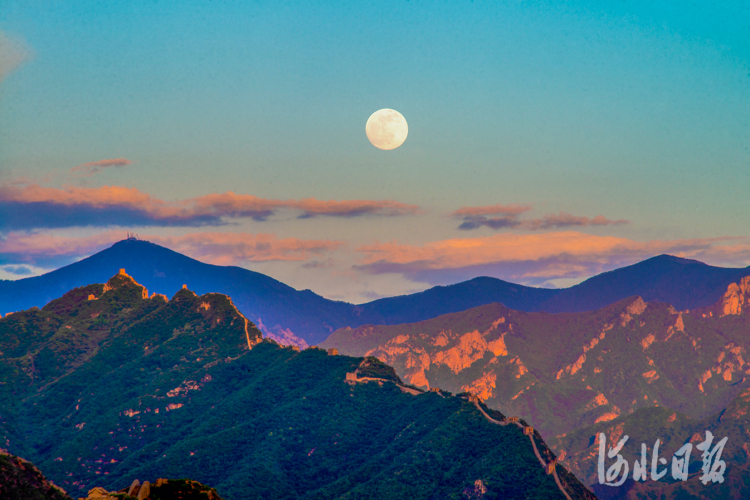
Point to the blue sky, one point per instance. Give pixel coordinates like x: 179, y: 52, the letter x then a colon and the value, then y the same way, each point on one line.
x: 625, y: 110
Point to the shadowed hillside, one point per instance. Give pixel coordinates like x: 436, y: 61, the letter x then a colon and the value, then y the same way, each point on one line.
x: 682, y: 283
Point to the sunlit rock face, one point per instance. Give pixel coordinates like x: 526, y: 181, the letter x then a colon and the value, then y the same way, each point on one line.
x: 736, y: 297
x: 569, y: 371
x: 549, y: 368
x: 285, y: 336
x: 456, y: 352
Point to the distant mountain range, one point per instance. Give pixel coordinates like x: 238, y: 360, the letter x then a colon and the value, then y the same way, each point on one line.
x: 573, y: 373
x: 305, y: 318
x: 108, y: 383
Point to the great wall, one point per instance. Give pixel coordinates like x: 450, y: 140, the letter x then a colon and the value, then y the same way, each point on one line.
x: 550, y: 468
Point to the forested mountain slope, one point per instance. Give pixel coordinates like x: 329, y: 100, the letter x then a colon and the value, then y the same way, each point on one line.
x: 105, y: 384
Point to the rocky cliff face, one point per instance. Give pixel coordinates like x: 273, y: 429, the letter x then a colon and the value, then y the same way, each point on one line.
x: 517, y: 360
x: 569, y: 371
x: 736, y: 297
x: 161, y: 489
x: 21, y: 480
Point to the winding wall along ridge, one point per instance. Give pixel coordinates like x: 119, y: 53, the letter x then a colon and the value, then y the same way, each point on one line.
x: 533, y: 443
x: 545, y: 465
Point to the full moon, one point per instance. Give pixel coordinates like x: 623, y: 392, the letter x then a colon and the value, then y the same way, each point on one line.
x: 386, y: 129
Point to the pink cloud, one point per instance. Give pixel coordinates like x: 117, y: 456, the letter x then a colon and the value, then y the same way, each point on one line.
x: 508, y: 217
x: 216, y: 248
x: 236, y: 248
x: 94, y: 167
x: 536, y: 258
x: 567, y: 220
x: 507, y: 246
x: 33, y: 206
x: 239, y: 205
x: 513, y: 209
x: 353, y: 208
x: 13, y: 52
x: 69, y: 196
x: 31, y: 247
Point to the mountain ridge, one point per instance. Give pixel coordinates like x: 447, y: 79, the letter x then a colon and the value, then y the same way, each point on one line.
x: 304, y: 318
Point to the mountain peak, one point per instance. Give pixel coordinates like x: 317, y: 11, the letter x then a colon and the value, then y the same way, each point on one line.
x: 672, y: 258
x: 184, y: 293
x: 637, y: 306
x: 123, y: 280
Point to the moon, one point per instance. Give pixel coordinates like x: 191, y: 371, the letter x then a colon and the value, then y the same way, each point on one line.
x: 386, y: 129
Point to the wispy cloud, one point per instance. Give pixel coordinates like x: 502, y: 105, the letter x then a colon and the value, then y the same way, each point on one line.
x: 243, y: 205
x: 536, y: 258
x: 48, y: 251
x: 34, y: 206
x: 17, y: 270
x: 43, y: 250
x: 236, y: 248
x: 94, y: 167
x: 510, y: 210
x: 316, y: 264
x: 567, y: 220
x: 352, y: 208
x: 477, y: 221
x: 13, y: 52
x: 508, y: 217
